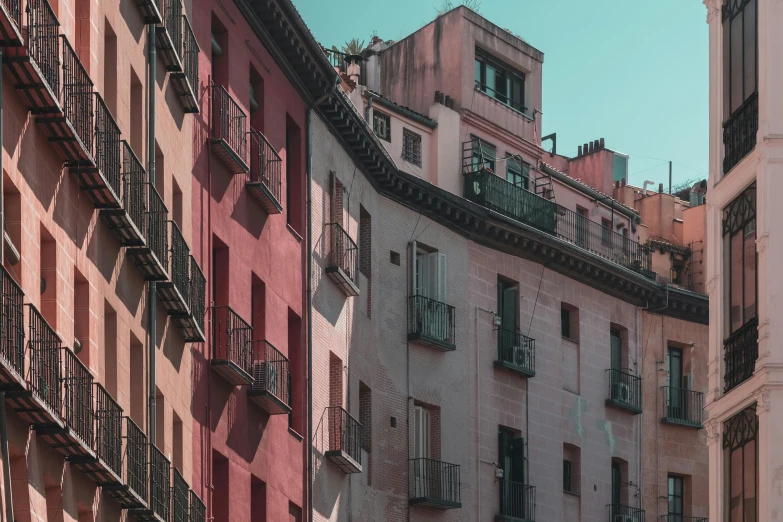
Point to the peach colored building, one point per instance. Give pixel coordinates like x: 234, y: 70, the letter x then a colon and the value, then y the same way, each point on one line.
x: 100, y: 296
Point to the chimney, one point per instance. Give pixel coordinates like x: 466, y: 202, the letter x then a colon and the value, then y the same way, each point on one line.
x: 591, y: 146
x: 601, y: 141
x: 437, y: 97
x: 354, y: 69
x: 585, y: 149
x: 660, y: 188
x: 578, y: 151
x: 376, y: 39
x: 447, y: 101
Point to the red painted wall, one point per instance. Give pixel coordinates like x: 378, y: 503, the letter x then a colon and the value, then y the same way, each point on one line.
x: 261, y: 278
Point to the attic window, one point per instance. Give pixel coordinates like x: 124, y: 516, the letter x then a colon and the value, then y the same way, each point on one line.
x: 381, y: 124
x: 500, y: 81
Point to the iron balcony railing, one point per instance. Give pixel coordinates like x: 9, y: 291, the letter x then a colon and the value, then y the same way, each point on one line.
x: 337, y: 58
x: 270, y: 371
x: 516, y: 351
x: 179, y: 498
x: 155, y: 226
x: 345, y: 433
x: 160, y: 483
x: 625, y: 389
x: 77, y: 95
x: 229, y: 121
x: 434, y: 481
x: 343, y: 254
x: 620, y: 513
x: 108, y: 429
x: 180, y: 259
x: 739, y: 132
x: 517, y: 500
x: 682, y: 406
x: 198, y: 511
x: 740, y: 351
x: 78, y: 387
x: 601, y: 240
x: 171, y: 10
x: 45, y: 373
x: 198, y: 288
x: 266, y: 167
x: 432, y: 320
x: 231, y: 338
x: 682, y: 518
x: 14, y: 10
x: 136, y: 465
x: 43, y: 41
x: 12, y: 323
x: 190, y: 50
x: 107, y: 145
x: 134, y: 182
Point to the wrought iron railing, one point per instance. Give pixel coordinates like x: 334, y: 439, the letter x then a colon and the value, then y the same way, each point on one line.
x: 516, y: 350
x: 14, y: 10
x: 601, y: 240
x: 198, y: 287
x: 517, y: 500
x: 621, y: 513
x: 345, y: 433
x: 266, y: 167
x: 134, y: 182
x: 160, y: 483
x: 190, y: 50
x: 136, y: 451
x: 171, y: 11
x: 432, y: 319
x: 682, y: 518
x: 78, y: 387
x: 682, y: 406
x: 108, y: 429
x: 77, y: 94
x: 625, y: 389
x: 740, y: 351
x: 270, y: 370
x: 739, y: 132
x: 337, y: 58
x: 231, y: 336
x: 180, y: 259
x: 43, y: 41
x: 343, y: 254
x: 12, y: 323
x: 229, y: 121
x: 45, y: 373
x: 155, y: 226
x: 433, y: 479
x: 495, y: 193
x: 198, y: 511
x: 179, y: 498
x: 107, y: 144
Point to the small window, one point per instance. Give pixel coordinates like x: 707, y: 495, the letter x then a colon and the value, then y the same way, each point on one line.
x: 500, y: 81
x: 676, y: 496
x: 518, y: 173
x: 411, y: 147
x: 571, y: 465
x: 567, y: 485
x: 606, y: 231
x: 381, y: 124
x: 482, y: 155
x: 565, y: 322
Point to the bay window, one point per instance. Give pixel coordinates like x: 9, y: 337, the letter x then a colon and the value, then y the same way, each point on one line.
x: 740, y: 448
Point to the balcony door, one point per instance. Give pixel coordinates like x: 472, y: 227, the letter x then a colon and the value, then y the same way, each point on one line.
x: 429, y: 289
x: 617, y: 484
x: 511, y: 460
x: 421, y: 452
x: 676, y: 499
x: 677, y: 384
x: 508, y: 296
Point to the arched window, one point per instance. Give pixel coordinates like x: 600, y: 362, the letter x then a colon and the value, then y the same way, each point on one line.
x: 740, y: 449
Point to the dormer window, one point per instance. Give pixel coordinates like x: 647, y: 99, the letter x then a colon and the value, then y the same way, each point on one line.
x: 500, y: 81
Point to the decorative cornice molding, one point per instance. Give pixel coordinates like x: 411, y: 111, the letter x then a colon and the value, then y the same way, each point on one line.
x: 712, y: 428
x: 713, y: 9
x: 762, y: 400
x: 761, y: 242
x: 710, y: 285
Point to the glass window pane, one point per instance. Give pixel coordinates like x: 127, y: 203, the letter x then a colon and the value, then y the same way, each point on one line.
x: 477, y: 71
x: 749, y: 36
x: 736, y: 63
x: 749, y: 474
x: 735, y: 487
x: 735, y: 252
x: 726, y: 70
x: 750, y: 271
x: 490, y: 79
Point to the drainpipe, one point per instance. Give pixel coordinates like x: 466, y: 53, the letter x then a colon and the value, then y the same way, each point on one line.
x: 152, y: 286
x: 309, y: 307
x: 8, y: 502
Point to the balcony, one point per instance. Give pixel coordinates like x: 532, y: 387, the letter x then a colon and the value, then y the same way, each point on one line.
x: 36, y: 66
x: 434, y: 484
x: 229, y: 131
x: 432, y: 323
x: 342, y: 265
x: 131, y: 489
x: 169, y: 34
x: 682, y: 518
x: 265, y: 180
x: 41, y: 402
x: 175, y: 291
x: 149, y: 10
x: 740, y: 351
x: 152, y: 257
x: 128, y: 220
x: 75, y: 439
x: 198, y: 511
x: 180, y: 497
x: 105, y: 464
x: 185, y: 82
x: 516, y: 352
x: 10, y: 23
x: 683, y: 407
x: 739, y: 133
x: 625, y: 391
x: 11, y: 333
x: 271, y: 380
x: 344, y: 446
x: 158, y: 507
x: 192, y: 323
x: 517, y: 502
x: 620, y: 513
x: 232, y: 358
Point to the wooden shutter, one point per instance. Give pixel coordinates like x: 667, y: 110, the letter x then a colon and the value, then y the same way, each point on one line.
x: 441, y: 277
x: 617, y: 350
x: 509, y: 313
x: 518, y: 460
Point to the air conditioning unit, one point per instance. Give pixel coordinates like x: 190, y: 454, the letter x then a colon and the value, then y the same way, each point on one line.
x: 265, y: 376
x: 521, y: 356
x: 624, y: 394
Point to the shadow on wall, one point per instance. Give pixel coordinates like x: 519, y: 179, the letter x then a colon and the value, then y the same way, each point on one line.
x: 246, y: 211
x: 242, y: 416
x: 130, y: 285
x: 323, y: 289
x: 325, y: 476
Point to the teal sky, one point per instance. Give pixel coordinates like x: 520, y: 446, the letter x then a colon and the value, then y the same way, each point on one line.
x: 632, y: 72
